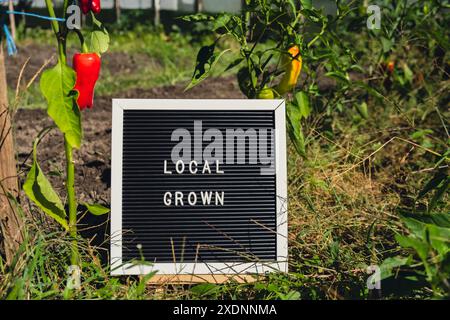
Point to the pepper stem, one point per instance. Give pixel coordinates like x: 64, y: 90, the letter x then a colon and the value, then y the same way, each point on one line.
x: 84, y: 47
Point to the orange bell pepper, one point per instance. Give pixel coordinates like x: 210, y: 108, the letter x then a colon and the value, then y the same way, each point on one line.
x: 292, y: 64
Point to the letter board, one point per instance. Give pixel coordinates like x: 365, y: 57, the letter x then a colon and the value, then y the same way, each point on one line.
x: 198, y: 187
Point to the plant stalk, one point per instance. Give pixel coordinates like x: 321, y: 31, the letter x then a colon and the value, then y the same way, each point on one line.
x: 51, y: 12
x: 57, y: 31
x: 70, y: 186
x: 70, y: 166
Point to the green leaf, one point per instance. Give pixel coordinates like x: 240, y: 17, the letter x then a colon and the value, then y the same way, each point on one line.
x: 206, y: 60
x: 363, y: 110
x: 99, y: 38
x: 306, y: 4
x: 439, y: 194
x: 388, y: 265
x: 56, y: 86
x: 419, y: 134
x: 419, y: 246
x: 409, y: 76
x: 425, y: 233
x: 40, y: 191
x: 338, y: 75
x: 205, y: 289
x: 439, y: 239
x: 433, y: 184
x: 294, y: 117
x: 96, y: 209
x: 139, y: 290
x: 221, y: 21
x: 312, y: 15
x: 387, y: 44
x: 291, y: 295
x: 302, y: 100
x: 416, y: 227
x: 438, y: 219
x: 293, y: 6
x: 198, y: 17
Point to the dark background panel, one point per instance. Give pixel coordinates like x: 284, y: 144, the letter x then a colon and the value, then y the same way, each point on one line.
x: 241, y: 230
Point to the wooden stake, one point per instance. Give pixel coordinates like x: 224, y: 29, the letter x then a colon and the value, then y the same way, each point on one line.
x: 156, y: 10
x: 117, y: 9
x: 199, y: 5
x: 12, y: 19
x: 10, y: 223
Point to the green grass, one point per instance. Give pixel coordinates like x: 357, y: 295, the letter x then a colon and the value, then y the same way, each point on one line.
x: 343, y: 217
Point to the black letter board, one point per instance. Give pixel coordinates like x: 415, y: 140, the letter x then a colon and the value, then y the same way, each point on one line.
x: 198, y: 187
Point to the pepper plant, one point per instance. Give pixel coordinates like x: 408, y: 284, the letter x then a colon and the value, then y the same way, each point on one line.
x: 426, y: 238
x: 278, y: 40
x: 67, y: 91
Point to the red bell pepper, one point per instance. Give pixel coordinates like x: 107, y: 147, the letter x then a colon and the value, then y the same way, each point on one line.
x: 90, y: 5
x: 96, y: 6
x: 85, y: 6
x: 87, y: 67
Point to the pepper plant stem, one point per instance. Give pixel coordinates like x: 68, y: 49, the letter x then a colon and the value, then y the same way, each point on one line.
x: 70, y: 186
x: 51, y: 12
x: 70, y: 166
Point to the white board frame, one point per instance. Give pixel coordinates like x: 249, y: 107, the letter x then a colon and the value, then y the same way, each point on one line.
x: 200, y: 268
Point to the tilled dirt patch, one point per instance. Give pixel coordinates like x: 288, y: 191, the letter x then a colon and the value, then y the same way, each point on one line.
x: 35, y: 55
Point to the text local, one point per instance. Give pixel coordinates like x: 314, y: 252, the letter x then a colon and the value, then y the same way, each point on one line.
x: 193, y: 167
x: 205, y: 198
